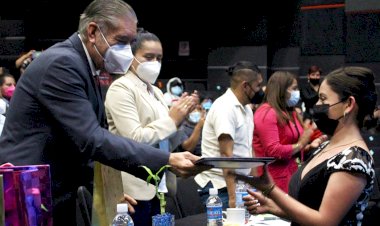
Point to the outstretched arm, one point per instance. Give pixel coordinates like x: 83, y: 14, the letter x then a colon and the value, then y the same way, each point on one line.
x: 335, y: 204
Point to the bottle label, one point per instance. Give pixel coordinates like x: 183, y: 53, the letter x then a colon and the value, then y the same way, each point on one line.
x: 240, y: 203
x: 239, y: 198
x: 214, y: 214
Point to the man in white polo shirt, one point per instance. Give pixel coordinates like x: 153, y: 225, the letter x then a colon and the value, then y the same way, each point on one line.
x: 228, y: 130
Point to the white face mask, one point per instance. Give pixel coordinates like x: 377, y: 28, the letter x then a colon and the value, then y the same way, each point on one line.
x: 148, y: 71
x: 294, y: 98
x: 118, y: 58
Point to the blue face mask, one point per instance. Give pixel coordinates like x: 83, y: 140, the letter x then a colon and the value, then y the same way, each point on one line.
x: 207, y: 105
x: 294, y: 98
x: 194, y: 116
x: 176, y: 90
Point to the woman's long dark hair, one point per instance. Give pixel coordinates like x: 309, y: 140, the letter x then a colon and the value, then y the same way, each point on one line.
x: 276, y: 94
x: 357, y: 82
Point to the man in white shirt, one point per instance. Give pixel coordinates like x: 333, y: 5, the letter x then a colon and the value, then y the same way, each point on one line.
x: 228, y: 130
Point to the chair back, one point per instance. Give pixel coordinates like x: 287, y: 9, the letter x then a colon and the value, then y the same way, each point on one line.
x: 84, y: 206
x: 188, y: 197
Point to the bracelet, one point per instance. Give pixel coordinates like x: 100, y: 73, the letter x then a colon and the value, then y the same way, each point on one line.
x: 298, y: 146
x: 267, y: 191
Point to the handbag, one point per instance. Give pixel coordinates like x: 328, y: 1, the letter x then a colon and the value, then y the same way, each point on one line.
x: 27, y: 199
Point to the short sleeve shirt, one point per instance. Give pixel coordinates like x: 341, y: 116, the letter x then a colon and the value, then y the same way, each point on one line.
x: 226, y: 116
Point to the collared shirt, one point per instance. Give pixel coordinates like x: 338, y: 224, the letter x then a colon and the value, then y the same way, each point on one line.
x: 94, y: 72
x: 226, y: 116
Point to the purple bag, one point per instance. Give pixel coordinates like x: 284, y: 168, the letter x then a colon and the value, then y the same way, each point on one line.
x: 27, y: 195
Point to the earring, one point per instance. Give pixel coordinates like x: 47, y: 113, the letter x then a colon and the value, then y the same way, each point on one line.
x: 344, y: 114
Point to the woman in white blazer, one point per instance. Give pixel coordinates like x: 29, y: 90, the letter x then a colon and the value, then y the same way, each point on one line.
x: 135, y: 108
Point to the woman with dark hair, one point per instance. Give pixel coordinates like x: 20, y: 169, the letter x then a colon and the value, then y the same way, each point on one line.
x: 136, y: 109
x: 333, y: 187
x: 279, y: 132
x: 7, y: 87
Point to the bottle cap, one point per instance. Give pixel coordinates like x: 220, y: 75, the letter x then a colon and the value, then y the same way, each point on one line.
x: 213, y: 191
x: 240, y: 182
x: 122, y: 207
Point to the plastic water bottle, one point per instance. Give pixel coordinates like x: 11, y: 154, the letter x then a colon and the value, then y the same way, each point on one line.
x: 122, y: 217
x: 240, y: 192
x: 214, y: 209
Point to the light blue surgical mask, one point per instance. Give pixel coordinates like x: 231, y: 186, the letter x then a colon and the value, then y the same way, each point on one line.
x: 194, y: 116
x: 176, y: 90
x: 118, y: 58
x: 294, y: 98
x: 207, y: 105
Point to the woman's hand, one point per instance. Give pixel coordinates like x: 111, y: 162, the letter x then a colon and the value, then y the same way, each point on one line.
x: 309, y: 128
x: 316, y: 142
x: 181, y: 108
x: 131, y: 201
x: 257, y: 203
x: 262, y: 183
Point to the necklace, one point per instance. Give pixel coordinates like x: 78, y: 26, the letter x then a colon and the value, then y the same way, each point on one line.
x: 332, y: 148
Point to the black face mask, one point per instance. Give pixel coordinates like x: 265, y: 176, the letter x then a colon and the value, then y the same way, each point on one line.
x: 258, y: 97
x: 314, y: 81
x: 321, y: 118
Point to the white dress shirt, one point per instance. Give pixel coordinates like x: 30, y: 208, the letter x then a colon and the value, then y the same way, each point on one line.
x: 226, y: 116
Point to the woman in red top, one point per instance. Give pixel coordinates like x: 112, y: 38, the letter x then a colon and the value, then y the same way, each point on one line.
x: 278, y: 131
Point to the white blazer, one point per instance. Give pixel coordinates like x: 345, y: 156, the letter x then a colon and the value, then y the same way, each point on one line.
x: 135, y: 113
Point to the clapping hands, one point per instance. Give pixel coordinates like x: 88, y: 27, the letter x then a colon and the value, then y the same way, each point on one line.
x: 183, y: 106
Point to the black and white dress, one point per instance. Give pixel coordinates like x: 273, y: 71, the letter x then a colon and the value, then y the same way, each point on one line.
x: 311, y: 188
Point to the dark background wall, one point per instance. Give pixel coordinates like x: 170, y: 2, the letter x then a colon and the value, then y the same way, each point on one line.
x: 289, y: 35
x: 206, y: 27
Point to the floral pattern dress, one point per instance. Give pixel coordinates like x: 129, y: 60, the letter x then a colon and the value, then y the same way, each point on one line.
x: 311, y: 188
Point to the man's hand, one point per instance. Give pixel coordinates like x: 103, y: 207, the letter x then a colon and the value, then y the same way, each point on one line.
x: 182, y: 164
